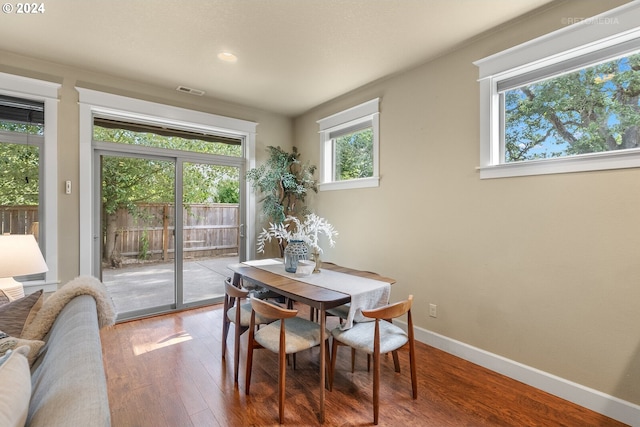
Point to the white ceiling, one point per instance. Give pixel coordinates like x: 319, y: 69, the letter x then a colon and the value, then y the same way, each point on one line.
x: 292, y: 54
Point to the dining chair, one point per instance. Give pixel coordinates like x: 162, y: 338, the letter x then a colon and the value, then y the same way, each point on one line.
x: 238, y: 312
x: 380, y: 336
x: 289, y: 334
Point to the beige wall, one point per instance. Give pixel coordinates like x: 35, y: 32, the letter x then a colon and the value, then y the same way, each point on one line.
x: 273, y: 129
x: 542, y: 270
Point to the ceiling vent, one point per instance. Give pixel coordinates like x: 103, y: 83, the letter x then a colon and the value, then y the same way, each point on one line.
x: 189, y: 90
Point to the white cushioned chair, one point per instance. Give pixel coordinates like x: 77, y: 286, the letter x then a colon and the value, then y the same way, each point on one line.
x: 287, y: 335
x: 379, y: 337
x: 238, y: 312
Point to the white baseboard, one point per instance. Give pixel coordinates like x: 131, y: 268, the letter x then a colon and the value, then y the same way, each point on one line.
x: 613, y: 407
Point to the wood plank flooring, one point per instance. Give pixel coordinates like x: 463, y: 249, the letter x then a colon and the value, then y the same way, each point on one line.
x: 167, y: 371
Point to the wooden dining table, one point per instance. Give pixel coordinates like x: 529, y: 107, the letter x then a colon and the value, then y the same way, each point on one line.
x: 313, y: 295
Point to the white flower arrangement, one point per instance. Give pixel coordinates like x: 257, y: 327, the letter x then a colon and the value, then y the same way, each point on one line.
x: 308, y: 231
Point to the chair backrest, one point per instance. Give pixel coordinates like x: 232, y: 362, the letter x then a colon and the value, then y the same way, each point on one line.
x: 269, y: 310
x: 233, y: 291
x: 390, y: 311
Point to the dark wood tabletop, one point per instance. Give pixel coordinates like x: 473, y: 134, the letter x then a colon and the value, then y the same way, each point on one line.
x: 314, y: 296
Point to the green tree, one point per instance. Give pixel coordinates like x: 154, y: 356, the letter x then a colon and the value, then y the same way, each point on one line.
x: 354, y: 154
x: 228, y: 191
x: 591, y: 110
x: 19, y: 168
x: 19, y: 171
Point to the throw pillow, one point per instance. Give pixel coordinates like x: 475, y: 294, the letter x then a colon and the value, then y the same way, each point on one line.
x: 16, y: 377
x: 4, y: 299
x: 17, y: 314
x: 8, y: 343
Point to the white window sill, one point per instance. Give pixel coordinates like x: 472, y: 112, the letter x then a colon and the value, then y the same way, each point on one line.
x: 587, y: 162
x: 36, y: 285
x: 350, y: 184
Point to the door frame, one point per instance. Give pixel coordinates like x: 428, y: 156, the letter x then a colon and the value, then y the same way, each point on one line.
x: 92, y: 103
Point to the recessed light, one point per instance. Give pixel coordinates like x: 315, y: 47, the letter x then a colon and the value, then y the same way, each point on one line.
x: 227, y: 57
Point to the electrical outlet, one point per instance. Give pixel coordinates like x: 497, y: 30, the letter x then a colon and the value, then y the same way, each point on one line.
x: 433, y: 310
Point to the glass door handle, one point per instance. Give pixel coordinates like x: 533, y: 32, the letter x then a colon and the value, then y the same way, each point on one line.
x: 241, y: 231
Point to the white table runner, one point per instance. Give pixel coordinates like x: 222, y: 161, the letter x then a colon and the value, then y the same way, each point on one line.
x: 366, y: 294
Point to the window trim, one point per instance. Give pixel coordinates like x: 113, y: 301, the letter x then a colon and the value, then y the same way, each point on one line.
x: 617, y: 28
x: 367, y: 112
x: 46, y: 92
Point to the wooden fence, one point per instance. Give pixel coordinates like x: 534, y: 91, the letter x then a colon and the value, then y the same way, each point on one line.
x: 19, y: 220
x: 209, y: 229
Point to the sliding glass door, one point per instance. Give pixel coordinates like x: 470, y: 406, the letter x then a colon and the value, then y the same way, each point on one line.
x: 156, y: 258
x: 211, y: 236
x: 137, y: 206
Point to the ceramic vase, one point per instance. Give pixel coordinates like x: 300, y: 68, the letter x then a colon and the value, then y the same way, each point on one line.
x: 295, y: 251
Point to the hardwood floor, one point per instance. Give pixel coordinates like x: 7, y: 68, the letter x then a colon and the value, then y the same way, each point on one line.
x: 168, y: 371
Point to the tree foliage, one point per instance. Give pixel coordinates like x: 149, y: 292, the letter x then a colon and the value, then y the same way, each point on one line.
x: 127, y: 181
x: 354, y: 153
x: 19, y: 182
x: 591, y: 110
x: 19, y: 168
x: 284, y: 183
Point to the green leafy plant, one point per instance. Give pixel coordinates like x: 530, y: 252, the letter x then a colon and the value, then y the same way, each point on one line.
x: 284, y: 182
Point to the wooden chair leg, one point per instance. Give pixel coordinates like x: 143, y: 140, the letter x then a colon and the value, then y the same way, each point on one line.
x: 247, y: 376
x: 414, y: 374
x: 334, y: 351
x: 353, y: 360
x: 281, y: 385
x: 376, y: 386
x: 225, y: 332
x: 396, y: 361
x: 236, y: 352
x: 328, y: 373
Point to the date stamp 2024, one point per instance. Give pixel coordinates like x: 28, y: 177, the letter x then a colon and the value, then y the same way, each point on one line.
x: 23, y: 8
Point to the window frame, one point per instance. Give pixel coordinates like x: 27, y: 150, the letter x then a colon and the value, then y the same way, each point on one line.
x: 595, y: 39
x: 47, y: 93
x: 362, y: 114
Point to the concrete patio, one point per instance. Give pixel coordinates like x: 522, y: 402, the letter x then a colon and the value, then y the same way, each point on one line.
x: 141, y: 286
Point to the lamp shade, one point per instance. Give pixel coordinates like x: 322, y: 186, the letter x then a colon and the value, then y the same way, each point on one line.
x: 20, y: 255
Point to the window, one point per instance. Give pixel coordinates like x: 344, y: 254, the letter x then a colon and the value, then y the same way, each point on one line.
x: 21, y: 142
x: 349, y: 148
x: 566, y: 102
x: 160, y: 136
x: 28, y: 172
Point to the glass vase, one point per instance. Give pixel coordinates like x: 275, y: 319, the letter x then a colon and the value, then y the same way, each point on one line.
x: 294, y: 252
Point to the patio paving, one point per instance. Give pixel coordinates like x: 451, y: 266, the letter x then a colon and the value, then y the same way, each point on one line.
x: 140, y: 286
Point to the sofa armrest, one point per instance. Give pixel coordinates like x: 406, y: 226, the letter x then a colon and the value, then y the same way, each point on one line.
x: 68, y: 379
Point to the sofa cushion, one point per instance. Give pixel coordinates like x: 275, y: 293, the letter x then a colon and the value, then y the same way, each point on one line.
x: 8, y: 342
x: 16, y: 314
x: 4, y: 299
x: 15, y: 382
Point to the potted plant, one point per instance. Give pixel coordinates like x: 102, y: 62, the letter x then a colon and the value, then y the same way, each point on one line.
x: 305, y: 235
